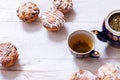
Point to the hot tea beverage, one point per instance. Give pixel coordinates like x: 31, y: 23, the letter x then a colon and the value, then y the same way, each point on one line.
x: 81, y: 43
x: 114, y: 22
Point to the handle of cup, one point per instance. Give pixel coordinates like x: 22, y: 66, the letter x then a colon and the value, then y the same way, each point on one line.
x: 94, y: 54
x: 100, y: 35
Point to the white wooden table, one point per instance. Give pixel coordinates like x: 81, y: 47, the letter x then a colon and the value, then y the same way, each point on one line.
x: 44, y: 55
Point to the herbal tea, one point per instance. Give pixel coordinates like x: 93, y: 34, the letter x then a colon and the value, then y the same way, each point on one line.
x: 114, y: 22
x: 81, y: 43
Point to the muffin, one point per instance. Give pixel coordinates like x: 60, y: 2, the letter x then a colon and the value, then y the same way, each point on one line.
x: 63, y: 5
x: 83, y: 75
x: 8, y: 54
x: 109, y: 72
x: 53, y: 20
x: 28, y: 12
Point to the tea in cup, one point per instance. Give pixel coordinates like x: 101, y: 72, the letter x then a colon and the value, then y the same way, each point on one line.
x: 81, y: 43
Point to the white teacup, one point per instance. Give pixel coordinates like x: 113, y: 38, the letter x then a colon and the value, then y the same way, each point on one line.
x: 81, y: 43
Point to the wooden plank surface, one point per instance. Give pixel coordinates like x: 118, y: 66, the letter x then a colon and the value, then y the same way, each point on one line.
x: 45, y: 55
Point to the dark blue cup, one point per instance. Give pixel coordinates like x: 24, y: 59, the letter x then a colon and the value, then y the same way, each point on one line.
x: 108, y: 34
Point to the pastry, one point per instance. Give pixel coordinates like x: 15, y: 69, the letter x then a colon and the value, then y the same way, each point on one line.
x: 8, y: 54
x: 63, y: 5
x: 109, y: 72
x: 53, y: 20
x: 28, y: 12
x: 83, y: 75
